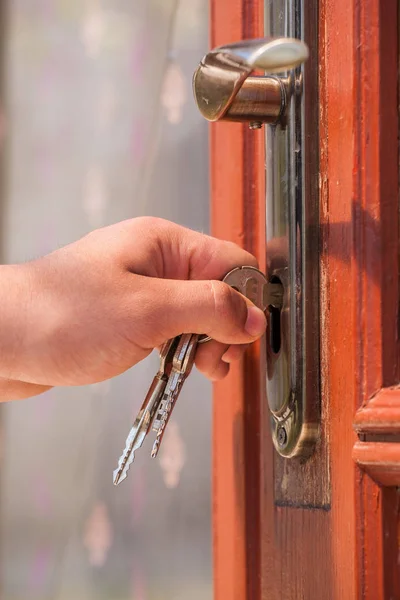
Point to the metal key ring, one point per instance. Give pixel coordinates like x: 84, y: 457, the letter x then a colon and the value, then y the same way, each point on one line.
x: 203, y: 338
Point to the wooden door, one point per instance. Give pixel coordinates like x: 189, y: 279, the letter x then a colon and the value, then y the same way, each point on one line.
x: 348, y: 546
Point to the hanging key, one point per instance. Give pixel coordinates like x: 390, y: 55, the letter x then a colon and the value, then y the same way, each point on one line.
x: 182, y: 364
x: 176, y: 362
x: 147, y: 412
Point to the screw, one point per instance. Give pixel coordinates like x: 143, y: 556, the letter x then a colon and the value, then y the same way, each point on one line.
x: 281, y: 436
x: 255, y: 125
x: 298, y: 85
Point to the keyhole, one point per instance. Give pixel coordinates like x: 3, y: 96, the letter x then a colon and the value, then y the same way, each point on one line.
x: 275, y: 324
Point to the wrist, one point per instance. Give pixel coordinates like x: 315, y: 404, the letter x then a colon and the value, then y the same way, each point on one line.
x: 15, y: 306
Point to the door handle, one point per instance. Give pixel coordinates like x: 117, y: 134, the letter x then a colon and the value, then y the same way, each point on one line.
x: 225, y: 89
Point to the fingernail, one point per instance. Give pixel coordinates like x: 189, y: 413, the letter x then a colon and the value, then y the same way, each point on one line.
x: 227, y: 356
x: 256, y: 322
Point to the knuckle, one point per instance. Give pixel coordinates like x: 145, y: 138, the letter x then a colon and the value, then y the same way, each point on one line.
x: 246, y: 257
x: 230, y: 306
x: 147, y: 222
x: 221, y: 293
x: 163, y: 225
x: 149, y: 225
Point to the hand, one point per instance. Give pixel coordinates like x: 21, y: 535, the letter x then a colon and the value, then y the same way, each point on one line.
x: 91, y: 310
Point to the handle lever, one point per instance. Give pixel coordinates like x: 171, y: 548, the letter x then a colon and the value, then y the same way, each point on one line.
x: 223, y: 89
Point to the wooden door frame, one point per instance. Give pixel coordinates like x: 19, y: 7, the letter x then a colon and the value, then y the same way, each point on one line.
x: 255, y: 541
x: 237, y: 159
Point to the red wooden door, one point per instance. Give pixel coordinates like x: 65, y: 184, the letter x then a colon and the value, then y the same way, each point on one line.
x: 347, y: 546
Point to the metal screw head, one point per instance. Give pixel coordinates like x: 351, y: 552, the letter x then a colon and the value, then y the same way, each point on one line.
x: 298, y: 85
x: 255, y: 125
x: 281, y: 436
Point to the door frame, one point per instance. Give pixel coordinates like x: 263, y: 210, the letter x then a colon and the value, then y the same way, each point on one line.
x: 237, y: 165
x: 349, y: 551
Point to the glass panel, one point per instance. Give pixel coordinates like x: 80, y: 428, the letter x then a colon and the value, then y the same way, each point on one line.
x: 102, y: 127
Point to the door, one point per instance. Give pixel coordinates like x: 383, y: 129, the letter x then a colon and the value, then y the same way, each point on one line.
x: 344, y: 542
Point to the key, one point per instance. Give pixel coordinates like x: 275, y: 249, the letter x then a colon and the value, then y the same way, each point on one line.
x: 253, y: 284
x: 182, y: 365
x: 148, y: 411
x: 176, y: 362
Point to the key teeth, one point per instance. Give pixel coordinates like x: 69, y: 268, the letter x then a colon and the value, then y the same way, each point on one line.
x: 133, y: 442
x: 161, y: 399
x: 155, y: 448
x: 121, y: 472
x: 124, y: 463
x: 118, y: 476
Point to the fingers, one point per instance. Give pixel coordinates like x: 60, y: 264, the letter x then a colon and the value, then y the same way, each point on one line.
x: 209, y: 360
x: 211, y: 258
x: 170, y: 308
x: 234, y: 353
x: 213, y: 358
x: 158, y: 248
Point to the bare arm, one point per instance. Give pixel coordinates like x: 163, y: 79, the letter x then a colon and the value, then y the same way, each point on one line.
x: 93, y: 309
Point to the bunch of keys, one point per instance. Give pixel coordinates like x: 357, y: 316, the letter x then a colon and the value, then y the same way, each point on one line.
x: 176, y: 361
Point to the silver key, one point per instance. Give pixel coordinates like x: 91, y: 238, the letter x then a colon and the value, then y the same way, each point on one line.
x: 147, y: 412
x: 181, y: 367
x: 176, y: 362
x: 253, y: 284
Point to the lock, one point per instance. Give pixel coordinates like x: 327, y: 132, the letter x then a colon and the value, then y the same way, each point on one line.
x: 226, y: 89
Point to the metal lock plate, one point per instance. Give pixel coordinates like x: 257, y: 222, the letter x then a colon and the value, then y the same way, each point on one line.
x: 226, y: 88
x: 292, y: 218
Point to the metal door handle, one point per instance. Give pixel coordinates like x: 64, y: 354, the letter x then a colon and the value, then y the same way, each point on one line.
x: 223, y: 88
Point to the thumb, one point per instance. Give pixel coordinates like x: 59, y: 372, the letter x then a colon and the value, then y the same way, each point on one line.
x: 210, y: 307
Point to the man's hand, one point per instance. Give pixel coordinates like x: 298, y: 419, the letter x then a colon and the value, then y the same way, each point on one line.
x: 91, y: 310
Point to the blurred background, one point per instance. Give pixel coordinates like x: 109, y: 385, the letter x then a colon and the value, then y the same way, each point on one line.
x: 98, y: 125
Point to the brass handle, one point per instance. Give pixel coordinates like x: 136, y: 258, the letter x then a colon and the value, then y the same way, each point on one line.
x: 223, y: 89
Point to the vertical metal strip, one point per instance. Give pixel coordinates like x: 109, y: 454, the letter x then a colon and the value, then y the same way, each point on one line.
x: 292, y: 233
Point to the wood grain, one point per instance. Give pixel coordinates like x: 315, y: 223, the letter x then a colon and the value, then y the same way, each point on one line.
x: 381, y: 415
x: 237, y: 178
x: 381, y: 460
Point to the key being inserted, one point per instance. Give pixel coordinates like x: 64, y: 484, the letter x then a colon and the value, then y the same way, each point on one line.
x: 253, y: 284
x: 176, y: 361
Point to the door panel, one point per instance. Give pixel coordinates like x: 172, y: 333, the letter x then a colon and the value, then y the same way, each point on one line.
x: 347, y: 548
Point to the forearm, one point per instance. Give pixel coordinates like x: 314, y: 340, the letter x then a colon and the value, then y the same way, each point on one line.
x: 15, y: 307
x: 91, y: 310
x: 18, y: 390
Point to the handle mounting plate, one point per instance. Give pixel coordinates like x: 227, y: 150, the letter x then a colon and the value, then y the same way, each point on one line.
x: 292, y: 218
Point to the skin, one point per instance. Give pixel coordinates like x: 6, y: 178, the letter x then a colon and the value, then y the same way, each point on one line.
x: 93, y: 309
